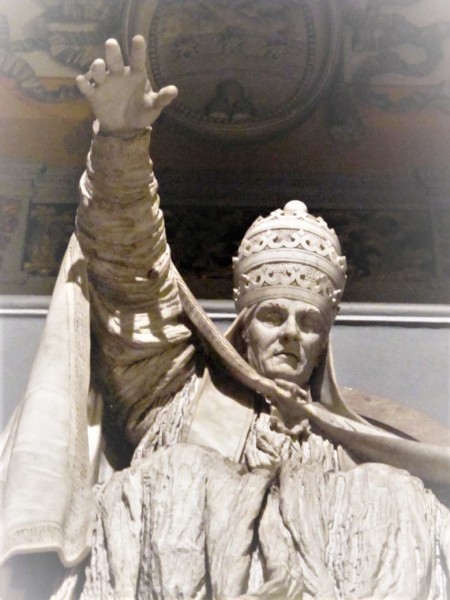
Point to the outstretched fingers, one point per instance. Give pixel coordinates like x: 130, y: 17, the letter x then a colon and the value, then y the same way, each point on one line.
x: 121, y: 97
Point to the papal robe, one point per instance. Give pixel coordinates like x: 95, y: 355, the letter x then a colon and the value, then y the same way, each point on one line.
x: 205, y: 498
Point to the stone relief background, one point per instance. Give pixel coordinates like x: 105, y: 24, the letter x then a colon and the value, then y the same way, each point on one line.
x: 371, y: 153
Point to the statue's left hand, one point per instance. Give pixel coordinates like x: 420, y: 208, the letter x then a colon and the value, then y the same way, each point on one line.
x: 121, y: 96
x: 290, y: 401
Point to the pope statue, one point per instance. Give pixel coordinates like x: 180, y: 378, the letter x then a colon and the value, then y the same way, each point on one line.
x: 153, y: 457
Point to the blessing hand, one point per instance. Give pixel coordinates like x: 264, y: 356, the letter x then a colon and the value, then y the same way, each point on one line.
x: 121, y: 96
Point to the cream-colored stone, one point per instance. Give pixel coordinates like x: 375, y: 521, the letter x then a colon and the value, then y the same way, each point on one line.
x: 224, y: 483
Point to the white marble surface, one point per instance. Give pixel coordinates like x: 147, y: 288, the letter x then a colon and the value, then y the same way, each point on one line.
x: 396, y: 351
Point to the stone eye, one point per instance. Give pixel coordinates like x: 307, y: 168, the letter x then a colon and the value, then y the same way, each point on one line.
x: 272, y: 317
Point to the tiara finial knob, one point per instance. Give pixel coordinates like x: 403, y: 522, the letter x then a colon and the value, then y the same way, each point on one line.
x: 295, y: 206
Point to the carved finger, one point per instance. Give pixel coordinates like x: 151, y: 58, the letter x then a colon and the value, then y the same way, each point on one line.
x: 84, y: 85
x: 138, y: 53
x: 98, y: 71
x: 165, y: 97
x: 252, y: 459
x: 113, y: 57
x: 257, y: 460
x: 291, y: 388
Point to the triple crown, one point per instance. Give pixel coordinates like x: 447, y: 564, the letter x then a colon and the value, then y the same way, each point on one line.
x: 290, y: 254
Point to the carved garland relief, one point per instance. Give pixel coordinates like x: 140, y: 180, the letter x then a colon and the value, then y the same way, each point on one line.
x: 245, y: 69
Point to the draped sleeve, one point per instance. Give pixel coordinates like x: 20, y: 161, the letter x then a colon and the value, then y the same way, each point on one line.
x: 142, y: 352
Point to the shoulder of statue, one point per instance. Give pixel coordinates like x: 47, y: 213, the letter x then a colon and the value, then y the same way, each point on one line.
x: 396, y: 417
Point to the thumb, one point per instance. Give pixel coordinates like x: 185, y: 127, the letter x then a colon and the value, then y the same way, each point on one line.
x: 165, y: 96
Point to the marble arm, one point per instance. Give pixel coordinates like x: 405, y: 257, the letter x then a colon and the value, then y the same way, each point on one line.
x: 142, y: 354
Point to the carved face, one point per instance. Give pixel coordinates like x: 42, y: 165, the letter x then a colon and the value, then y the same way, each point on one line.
x: 285, y: 339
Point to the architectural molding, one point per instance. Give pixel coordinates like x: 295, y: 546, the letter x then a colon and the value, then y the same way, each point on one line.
x: 351, y: 313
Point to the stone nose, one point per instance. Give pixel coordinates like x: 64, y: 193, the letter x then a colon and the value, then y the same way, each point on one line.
x: 290, y: 329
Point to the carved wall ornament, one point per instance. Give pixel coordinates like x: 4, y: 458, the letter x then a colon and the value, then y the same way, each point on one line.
x: 393, y: 46
x: 385, y: 250
x: 245, y: 69
x: 68, y: 32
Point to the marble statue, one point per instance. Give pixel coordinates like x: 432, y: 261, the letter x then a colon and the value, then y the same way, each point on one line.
x: 159, y: 459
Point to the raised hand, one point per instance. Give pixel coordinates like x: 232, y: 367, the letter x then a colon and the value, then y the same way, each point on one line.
x: 121, y: 96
